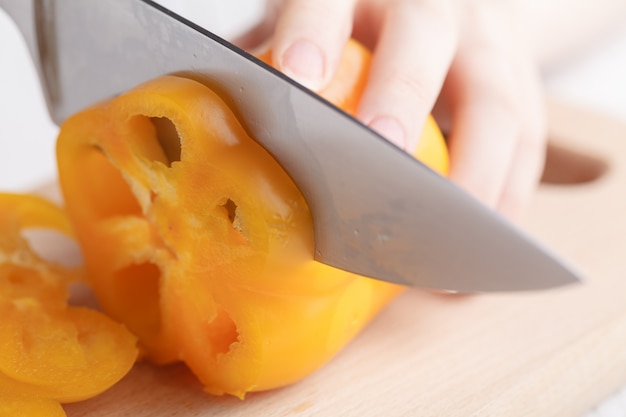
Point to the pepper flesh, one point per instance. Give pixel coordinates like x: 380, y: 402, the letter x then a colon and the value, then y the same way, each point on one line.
x: 51, y: 352
x: 25, y: 405
x: 201, y: 244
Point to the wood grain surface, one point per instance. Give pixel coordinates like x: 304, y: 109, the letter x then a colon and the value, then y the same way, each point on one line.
x: 554, y: 353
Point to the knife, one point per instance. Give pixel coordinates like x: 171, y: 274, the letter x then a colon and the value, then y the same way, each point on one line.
x: 377, y: 211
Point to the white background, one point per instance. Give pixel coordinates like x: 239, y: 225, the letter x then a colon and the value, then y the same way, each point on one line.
x: 597, y: 80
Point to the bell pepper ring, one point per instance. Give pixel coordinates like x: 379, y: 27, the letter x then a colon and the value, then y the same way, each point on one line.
x: 51, y: 352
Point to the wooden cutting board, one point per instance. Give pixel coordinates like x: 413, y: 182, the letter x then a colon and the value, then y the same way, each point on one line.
x: 554, y: 353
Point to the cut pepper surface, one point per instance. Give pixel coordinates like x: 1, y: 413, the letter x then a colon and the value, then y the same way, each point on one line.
x: 51, y: 352
x: 197, y: 240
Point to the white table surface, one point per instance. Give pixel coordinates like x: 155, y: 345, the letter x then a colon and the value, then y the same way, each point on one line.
x: 596, y: 80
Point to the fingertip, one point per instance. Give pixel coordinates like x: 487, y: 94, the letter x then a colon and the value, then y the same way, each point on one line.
x: 389, y: 128
x: 304, y: 62
x: 309, y: 37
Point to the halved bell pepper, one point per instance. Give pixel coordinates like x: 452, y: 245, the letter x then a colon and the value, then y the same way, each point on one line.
x: 51, y: 352
x: 197, y: 240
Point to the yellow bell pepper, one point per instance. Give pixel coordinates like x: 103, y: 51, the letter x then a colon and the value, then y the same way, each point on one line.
x: 197, y: 240
x: 28, y: 406
x: 51, y: 352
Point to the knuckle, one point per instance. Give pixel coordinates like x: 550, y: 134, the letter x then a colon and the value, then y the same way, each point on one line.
x: 413, y: 88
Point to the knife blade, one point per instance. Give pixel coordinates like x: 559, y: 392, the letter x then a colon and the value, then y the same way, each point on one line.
x: 377, y: 211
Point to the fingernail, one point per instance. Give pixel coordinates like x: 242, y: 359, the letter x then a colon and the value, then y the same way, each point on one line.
x: 303, y: 61
x: 390, y: 129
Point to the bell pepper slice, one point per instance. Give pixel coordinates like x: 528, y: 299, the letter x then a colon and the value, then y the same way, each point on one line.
x: 51, y: 352
x: 197, y: 240
x: 26, y: 405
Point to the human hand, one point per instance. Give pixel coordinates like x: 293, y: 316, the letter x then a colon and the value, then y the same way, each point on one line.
x: 460, y: 59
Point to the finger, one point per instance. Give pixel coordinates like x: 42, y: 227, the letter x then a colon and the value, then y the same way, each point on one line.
x: 255, y: 37
x: 484, y: 91
x: 309, y: 39
x: 529, y: 155
x: 524, y: 175
x: 412, y: 55
x: 482, y: 142
x: 498, y: 138
x: 261, y: 32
